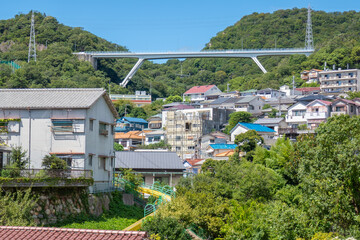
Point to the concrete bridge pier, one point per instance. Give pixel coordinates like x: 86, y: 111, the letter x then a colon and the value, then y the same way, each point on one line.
x: 88, y: 58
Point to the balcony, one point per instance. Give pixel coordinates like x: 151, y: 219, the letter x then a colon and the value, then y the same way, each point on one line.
x: 12, y: 177
x: 316, y: 115
x: 295, y: 118
x: 338, y: 113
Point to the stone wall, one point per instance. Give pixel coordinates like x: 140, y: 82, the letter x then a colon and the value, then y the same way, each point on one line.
x: 58, y: 204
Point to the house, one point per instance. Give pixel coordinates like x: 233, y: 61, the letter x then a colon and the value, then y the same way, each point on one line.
x: 311, y: 76
x: 199, y: 93
x: 193, y: 165
x: 225, y: 103
x: 154, y: 137
x: 154, y: 166
x: 185, y: 127
x: 340, y: 81
x: 280, y: 101
x: 270, y: 93
x: 296, y: 115
x: 132, y: 139
x: 232, y: 94
x: 155, y: 122
x: 274, y: 123
x: 289, y: 92
x: 308, y: 90
x: 344, y: 106
x: 215, y: 137
x: 310, y: 98
x: 140, y: 98
x: 220, y: 151
x: 73, y: 124
x: 267, y: 133
x: 251, y: 92
x: 126, y: 124
x: 251, y: 104
x: 317, y: 112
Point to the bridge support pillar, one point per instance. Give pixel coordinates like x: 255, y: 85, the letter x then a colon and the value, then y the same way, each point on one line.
x: 132, y: 72
x: 88, y: 58
x: 259, y: 64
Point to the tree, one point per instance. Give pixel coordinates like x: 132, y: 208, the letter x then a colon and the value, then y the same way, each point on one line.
x: 175, y: 98
x: 54, y: 162
x: 248, y: 141
x: 237, y: 117
x: 329, y: 173
x: 118, y: 147
x: 18, y: 157
x: 166, y: 228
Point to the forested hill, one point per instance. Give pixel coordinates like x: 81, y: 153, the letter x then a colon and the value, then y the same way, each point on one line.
x: 336, y: 36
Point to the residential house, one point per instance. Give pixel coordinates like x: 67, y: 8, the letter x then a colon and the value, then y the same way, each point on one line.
x: 344, y: 106
x: 310, y: 98
x: 73, y: 124
x: 193, y: 165
x: 308, y: 90
x: 140, y: 98
x: 199, y: 93
x: 220, y: 151
x: 154, y: 137
x: 317, y: 112
x: 232, y: 94
x: 289, y: 92
x: 225, y: 103
x: 251, y: 104
x: 126, y: 124
x: 154, y: 166
x: 311, y: 76
x: 340, y: 81
x: 276, y: 124
x: 267, y: 133
x: 185, y: 127
x: 296, y: 115
x: 251, y: 92
x: 130, y: 140
x: 155, y: 122
x: 215, y: 137
x: 270, y: 93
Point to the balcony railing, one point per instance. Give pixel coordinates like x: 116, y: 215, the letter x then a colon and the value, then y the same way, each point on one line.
x: 11, y: 177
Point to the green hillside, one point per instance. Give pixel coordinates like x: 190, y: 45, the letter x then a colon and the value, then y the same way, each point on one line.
x: 336, y: 36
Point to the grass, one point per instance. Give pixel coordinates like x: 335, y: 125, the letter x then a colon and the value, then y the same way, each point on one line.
x: 118, y: 217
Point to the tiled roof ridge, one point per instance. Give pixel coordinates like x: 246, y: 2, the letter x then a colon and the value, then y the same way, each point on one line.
x: 49, y: 89
x: 136, y: 233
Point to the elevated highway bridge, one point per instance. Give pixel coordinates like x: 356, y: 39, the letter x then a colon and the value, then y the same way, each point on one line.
x: 142, y: 56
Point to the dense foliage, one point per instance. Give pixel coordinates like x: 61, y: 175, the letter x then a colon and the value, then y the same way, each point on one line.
x: 336, y: 36
x: 306, y: 190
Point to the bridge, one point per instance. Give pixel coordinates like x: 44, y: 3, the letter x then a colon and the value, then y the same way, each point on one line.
x: 244, y: 53
x: 142, y: 56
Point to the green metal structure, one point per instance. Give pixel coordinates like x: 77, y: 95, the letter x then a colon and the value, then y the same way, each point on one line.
x: 14, y: 66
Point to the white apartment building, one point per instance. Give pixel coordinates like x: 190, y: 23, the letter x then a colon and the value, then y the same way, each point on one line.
x: 339, y: 81
x: 74, y: 124
x: 296, y: 115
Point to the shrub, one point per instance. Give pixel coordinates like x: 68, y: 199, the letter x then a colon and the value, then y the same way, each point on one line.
x: 53, y: 162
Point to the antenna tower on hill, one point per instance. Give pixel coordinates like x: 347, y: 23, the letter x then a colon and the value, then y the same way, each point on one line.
x: 32, y: 46
x: 309, y: 41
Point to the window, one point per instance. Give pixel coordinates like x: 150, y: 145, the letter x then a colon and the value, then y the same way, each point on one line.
x: 156, y: 138
x: 112, y: 129
x: 62, y: 125
x: 351, y: 74
x: 91, y: 124
x: 90, y: 160
x: 187, y: 126
x: 338, y: 75
x: 102, y: 163
x: 103, y: 129
x: 178, y: 138
x: 178, y: 148
x: 191, y: 147
x: 67, y: 158
x: 3, y: 126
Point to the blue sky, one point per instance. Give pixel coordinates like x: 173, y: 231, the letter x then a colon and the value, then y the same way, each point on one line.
x: 159, y: 25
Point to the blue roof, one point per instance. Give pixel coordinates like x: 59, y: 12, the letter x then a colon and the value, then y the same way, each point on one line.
x: 131, y: 119
x: 254, y: 126
x: 223, y: 146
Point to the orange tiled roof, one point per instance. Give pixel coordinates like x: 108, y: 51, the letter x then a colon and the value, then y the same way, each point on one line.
x: 27, y: 233
x: 225, y: 154
x: 131, y: 134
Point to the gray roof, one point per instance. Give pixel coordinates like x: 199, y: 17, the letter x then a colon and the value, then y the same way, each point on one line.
x: 219, y: 101
x: 246, y: 99
x: 265, y: 121
x: 283, y: 100
x: 148, y: 160
x: 50, y: 98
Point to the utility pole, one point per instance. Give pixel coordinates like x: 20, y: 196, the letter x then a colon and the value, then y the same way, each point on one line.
x: 309, y: 41
x: 32, y: 46
x: 227, y: 90
x: 293, y: 83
